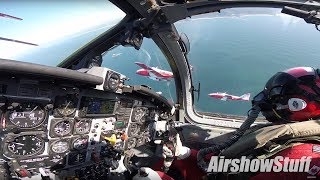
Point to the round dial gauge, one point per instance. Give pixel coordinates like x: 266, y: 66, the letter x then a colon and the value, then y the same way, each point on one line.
x: 164, y: 115
x: 140, y: 141
x: 26, y: 145
x: 82, y: 126
x: 132, y: 143
x: 133, y: 129
x: 139, y: 113
x: 80, y: 143
x: 62, y: 128
x: 27, y: 115
x: 66, y: 107
x: 113, y: 81
x: 60, y: 147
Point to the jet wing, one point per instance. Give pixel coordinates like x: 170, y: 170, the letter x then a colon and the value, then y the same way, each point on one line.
x: 157, y: 73
x: 143, y: 65
x: 9, y: 16
x: 224, y: 98
x: 17, y: 41
x: 153, y: 70
x: 154, y: 78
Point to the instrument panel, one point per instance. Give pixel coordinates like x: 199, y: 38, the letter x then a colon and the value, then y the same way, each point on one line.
x: 66, y: 129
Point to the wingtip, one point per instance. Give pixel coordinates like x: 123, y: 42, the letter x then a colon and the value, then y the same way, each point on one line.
x: 139, y: 63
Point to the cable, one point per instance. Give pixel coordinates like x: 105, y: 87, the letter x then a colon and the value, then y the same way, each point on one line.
x: 168, y: 86
x: 252, y: 116
x: 159, y: 64
x: 148, y: 56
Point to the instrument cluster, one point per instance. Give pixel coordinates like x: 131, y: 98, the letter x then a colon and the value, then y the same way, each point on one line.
x: 71, y: 126
x: 71, y: 131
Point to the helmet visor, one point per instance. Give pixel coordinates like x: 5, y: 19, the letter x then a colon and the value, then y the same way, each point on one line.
x: 262, y: 101
x: 281, y: 84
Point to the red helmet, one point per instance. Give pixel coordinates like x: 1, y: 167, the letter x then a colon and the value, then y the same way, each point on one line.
x: 291, y: 95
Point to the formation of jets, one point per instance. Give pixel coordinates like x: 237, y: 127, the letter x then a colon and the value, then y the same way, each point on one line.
x: 157, y: 74
x: 154, y: 73
x: 13, y: 40
x: 224, y: 96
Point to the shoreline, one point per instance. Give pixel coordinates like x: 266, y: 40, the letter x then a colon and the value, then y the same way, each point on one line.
x: 233, y: 16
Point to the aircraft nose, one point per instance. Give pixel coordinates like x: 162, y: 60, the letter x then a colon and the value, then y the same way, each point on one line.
x: 142, y: 72
x: 213, y: 95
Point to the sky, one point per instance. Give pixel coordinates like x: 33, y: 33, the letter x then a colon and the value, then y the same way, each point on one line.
x: 47, y: 22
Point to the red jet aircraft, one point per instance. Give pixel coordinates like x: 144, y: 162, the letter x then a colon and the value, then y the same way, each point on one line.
x: 224, y: 96
x: 154, y: 73
x: 9, y: 16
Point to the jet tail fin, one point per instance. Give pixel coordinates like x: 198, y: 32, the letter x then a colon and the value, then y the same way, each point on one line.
x: 245, y: 97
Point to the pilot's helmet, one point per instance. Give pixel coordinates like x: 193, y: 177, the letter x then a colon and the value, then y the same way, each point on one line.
x: 291, y: 95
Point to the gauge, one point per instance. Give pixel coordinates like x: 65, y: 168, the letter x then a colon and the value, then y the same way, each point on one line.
x: 27, y: 115
x: 66, y: 106
x: 80, y: 143
x: 118, y: 145
x: 77, y: 158
x: 133, y: 129
x: 164, y: 115
x: 132, y: 143
x: 26, y: 145
x: 60, y: 146
x: 139, y: 113
x: 62, y: 128
x: 82, y: 126
x: 113, y: 81
x: 140, y: 141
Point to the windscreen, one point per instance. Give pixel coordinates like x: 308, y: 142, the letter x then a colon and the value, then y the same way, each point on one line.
x: 46, y: 32
x: 235, y: 52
